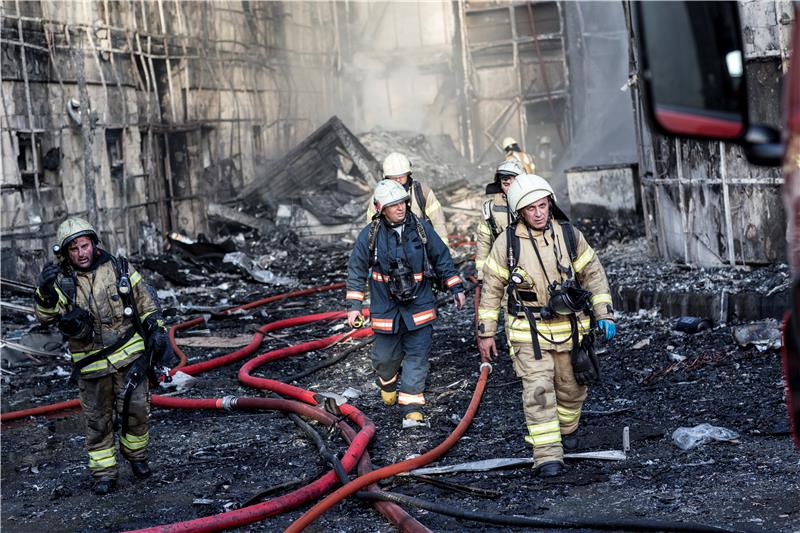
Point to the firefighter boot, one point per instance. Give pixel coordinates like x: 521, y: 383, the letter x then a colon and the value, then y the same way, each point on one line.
x: 104, y: 486
x: 415, y: 419
x: 388, y: 390
x: 570, y: 442
x: 550, y: 469
x: 141, y: 469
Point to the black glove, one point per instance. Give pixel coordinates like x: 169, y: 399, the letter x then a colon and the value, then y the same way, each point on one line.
x: 585, y: 365
x: 156, y: 341
x: 47, y: 282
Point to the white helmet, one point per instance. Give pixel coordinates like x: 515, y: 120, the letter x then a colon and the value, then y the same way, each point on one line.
x: 526, y: 189
x: 509, y: 167
x: 508, y: 141
x: 71, y: 229
x: 396, y: 164
x: 387, y: 193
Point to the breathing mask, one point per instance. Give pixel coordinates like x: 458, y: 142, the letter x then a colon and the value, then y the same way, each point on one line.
x: 77, y: 324
x: 565, y: 299
x: 402, y: 284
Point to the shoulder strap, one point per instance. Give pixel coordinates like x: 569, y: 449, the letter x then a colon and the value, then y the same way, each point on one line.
x: 419, y: 196
x: 512, y: 243
x: 373, y: 241
x: 570, y: 239
x: 488, y: 214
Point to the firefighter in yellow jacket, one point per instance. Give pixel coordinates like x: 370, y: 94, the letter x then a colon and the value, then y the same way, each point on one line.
x: 515, y: 153
x: 495, y: 215
x: 424, y: 205
x: 557, y: 296
x: 116, y: 337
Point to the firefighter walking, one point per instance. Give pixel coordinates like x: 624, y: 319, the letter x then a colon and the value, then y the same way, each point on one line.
x: 116, y: 336
x: 557, y: 295
x: 401, y: 256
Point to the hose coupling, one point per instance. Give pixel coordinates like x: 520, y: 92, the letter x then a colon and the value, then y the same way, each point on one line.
x: 229, y: 402
x: 488, y: 365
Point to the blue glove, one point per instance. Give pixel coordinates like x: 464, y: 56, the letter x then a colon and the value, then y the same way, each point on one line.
x: 607, y: 327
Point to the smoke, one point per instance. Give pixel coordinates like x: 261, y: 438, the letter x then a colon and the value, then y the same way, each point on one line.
x: 603, y: 127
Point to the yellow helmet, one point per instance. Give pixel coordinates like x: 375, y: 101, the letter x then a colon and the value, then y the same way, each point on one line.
x: 526, y: 189
x: 71, y: 229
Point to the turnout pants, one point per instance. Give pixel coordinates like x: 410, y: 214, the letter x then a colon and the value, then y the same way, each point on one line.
x: 551, y: 399
x: 100, y: 399
x: 409, y: 350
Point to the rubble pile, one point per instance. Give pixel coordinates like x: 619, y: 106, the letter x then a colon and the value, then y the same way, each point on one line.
x: 655, y: 381
x: 629, y: 264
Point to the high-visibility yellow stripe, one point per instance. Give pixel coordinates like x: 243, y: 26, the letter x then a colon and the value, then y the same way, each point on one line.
x: 603, y: 298
x: 485, y: 313
x: 62, y: 301
x: 479, y: 264
x: 542, y: 440
x: 548, y: 328
x: 134, y: 442
x: 104, y: 458
x: 566, y: 415
x: 544, y: 427
x: 147, y: 314
x: 134, y: 345
x: 135, y: 278
x: 77, y: 356
x: 483, y: 229
x: 584, y: 259
x: 496, y: 267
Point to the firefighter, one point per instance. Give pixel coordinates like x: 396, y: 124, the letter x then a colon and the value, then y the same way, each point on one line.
x: 116, y: 337
x: 402, y: 257
x: 424, y: 204
x: 557, y: 296
x: 513, y: 151
x: 496, y: 215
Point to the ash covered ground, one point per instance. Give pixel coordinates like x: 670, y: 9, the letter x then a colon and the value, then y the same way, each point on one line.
x: 654, y: 381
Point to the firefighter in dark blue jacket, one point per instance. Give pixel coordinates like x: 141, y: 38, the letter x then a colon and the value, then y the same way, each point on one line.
x: 400, y: 254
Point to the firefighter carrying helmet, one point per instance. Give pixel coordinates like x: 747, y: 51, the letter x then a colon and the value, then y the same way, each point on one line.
x: 71, y: 229
x: 526, y: 189
x: 508, y: 142
x: 387, y: 193
x: 396, y: 164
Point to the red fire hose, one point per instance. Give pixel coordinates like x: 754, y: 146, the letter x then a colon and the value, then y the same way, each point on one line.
x: 409, y: 464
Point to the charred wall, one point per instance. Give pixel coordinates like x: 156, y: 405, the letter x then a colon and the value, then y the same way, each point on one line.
x: 182, y: 102
x: 704, y: 204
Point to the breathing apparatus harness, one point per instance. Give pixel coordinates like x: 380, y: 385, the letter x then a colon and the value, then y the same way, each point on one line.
x: 566, y: 297
x: 401, y: 282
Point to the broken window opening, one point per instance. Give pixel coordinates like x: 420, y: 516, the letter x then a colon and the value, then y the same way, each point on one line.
x: 29, y: 158
x: 114, y: 149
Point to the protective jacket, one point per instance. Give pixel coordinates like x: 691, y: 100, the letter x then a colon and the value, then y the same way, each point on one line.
x: 95, y: 290
x: 422, y: 194
x: 494, y: 220
x: 386, y: 312
x: 554, y: 334
x: 524, y: 159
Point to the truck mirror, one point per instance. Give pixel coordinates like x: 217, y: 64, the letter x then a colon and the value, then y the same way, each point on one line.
x: 692, y: 67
